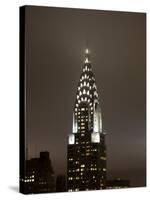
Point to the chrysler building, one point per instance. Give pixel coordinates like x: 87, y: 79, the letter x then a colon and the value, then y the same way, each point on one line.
x: 86, y: 153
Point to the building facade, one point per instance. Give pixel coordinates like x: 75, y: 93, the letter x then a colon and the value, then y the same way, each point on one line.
x: 86, y: 153
x: 39, y: 175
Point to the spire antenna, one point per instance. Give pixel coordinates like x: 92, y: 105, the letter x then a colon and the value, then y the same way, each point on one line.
x: 87, y: 51
x: 87, y: 60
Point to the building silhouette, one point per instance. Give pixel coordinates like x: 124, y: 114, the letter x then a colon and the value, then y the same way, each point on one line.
x: 117, y: 184
x: 39, y: 175
x: 86, y: 153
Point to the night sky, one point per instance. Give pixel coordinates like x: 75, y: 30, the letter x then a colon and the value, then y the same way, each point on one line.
x: 56, y: 39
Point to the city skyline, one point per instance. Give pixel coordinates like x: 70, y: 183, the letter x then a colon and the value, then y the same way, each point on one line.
x: 54, y: 63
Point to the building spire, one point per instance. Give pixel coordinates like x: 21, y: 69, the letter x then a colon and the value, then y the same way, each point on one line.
x: 87, y: 57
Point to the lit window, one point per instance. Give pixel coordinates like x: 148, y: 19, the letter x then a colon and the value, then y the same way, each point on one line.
x: 83, y: 165
x: 103, y: 158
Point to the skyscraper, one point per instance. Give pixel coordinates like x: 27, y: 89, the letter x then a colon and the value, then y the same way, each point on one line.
x: 86, y: 167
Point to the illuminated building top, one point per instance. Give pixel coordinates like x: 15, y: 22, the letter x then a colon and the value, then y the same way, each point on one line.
x: 87, y: 104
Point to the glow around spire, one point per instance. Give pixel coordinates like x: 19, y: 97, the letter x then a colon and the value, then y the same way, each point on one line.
x: 86, y: 51
x: 87, y: 55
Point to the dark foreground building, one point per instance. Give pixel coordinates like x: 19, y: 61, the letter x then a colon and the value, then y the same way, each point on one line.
x: 39, y: 175
x: 117, y: 184
x: 86, y: 159
x: 61, y: 183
